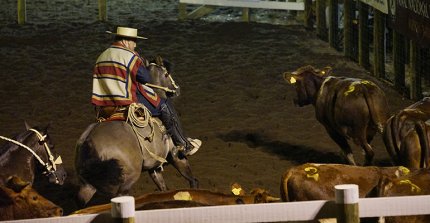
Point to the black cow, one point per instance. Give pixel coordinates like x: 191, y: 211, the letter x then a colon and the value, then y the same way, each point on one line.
x: 349, y: 108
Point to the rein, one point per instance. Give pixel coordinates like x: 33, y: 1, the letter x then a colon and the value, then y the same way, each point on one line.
x: 135, y: 122
x: 51, y: 166
x: 166, y: 89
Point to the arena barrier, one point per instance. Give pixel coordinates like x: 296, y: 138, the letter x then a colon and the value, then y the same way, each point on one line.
x: 209, y: 6
x: 389, y: 38
x: 347, y: 207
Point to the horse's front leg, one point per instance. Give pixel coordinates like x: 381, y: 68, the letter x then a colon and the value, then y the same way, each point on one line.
x: 158, y: 179
x: 181, y: 163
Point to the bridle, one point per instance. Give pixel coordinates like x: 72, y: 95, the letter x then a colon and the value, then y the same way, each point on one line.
x: 166, y: 74
x: 51, y: 164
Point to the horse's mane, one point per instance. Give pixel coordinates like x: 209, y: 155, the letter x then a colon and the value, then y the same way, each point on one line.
x: 20, y: 137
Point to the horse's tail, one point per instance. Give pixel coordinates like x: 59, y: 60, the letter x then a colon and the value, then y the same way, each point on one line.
x: 82, y: 138
x: 96, y: 171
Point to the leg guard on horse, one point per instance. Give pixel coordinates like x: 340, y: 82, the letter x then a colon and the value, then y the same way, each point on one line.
x: 170, y: 119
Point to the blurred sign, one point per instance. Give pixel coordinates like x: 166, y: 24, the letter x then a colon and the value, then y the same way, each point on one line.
x: 381, y: 5
x: 412, y: 19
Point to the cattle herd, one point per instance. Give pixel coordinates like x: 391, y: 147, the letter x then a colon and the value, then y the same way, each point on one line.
x: 351, y: 110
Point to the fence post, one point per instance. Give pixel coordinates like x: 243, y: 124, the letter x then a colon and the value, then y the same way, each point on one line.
x: 378, y: 44
x: 308, y: 14
x: 399, y: 61
x: 123, y: 210
x: 102, y: 10
x: 347, y: 29
x: 363, y: 32
x: 321, y: 19
x: 22, y: 14
x: 347, y: 203
x: 333, y: 28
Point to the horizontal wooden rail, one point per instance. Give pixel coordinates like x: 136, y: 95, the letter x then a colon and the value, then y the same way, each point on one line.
x: 249, y: 4
x: 287, y: 211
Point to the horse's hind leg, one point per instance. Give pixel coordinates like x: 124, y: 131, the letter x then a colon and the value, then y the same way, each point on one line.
x: 86, y: 192
x: 158, y: 179
x: 183, y: 166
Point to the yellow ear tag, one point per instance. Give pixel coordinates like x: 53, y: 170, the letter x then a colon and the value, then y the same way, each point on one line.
x: 183, y: 196
x: 404, y: 170
x: 292, y: 80
x: 236, y: 191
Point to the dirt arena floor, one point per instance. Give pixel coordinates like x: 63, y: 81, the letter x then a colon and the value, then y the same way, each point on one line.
x: 233, y: 95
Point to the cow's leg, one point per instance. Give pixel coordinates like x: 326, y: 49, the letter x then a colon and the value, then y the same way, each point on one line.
x: 158, y: 179
x: 365, y: 136
x: 368, y: 153
x: 343, y: 144
x: 181, y: 163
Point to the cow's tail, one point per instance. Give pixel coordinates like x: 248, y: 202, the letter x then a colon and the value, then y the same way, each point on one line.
x: 420, y: 128
x: 388, y: 138
x: 284, y: 185
x: 377, y: 105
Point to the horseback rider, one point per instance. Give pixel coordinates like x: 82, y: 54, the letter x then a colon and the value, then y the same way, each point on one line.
x: 116, y: 77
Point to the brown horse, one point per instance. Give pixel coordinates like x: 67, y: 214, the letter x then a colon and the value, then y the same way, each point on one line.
x: 29, y: 154
x: 110, y: 157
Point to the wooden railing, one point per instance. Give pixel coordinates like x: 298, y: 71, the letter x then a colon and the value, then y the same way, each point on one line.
x: 346, y: 208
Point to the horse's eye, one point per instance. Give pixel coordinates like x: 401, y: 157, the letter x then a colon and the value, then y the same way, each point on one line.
x: 34, y: 198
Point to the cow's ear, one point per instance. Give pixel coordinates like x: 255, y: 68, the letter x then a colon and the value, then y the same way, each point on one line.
x: 326, y: 71
x: 6, y: 196
x: 289, y: 77
x: 16, y: 184
x: 237, y: 189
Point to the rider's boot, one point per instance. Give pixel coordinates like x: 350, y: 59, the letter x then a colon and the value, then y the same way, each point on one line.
x: 170, y: 119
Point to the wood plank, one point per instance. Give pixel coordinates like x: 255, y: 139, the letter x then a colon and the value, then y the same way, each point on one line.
x: 249, y: 4
x: 378, y: 45
x: 363, y: 36
x: 102, y: 10
x: 201, y: 11
x: 22, y: 13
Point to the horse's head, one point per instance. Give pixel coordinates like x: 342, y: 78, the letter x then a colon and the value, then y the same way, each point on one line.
x: 51, y: 163
x: 161, y: 78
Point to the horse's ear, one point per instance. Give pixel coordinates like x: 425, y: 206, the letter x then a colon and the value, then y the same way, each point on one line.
x: 27, y: 126
x: 45, y: 130
x: 159, y: 60
x: 16, y: 184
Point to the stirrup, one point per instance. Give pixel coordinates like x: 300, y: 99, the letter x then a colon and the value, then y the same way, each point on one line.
x: 195, y: 143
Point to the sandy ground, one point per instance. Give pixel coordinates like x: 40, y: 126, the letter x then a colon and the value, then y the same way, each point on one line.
x: 233, y: 95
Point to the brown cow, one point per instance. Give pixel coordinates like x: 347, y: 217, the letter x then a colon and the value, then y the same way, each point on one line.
x: 198, y: 196
x: 416, y: 183
x: 316, y: 181
x: 348, y: 108
x: 19, y: 201
x: 405, y: 135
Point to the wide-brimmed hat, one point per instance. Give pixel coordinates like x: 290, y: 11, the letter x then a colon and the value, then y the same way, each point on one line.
x: 126, y: 32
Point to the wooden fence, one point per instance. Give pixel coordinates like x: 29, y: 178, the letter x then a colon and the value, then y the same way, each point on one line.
x: 208, y: 6
x: 346, y: 208
x: 401, y: 35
